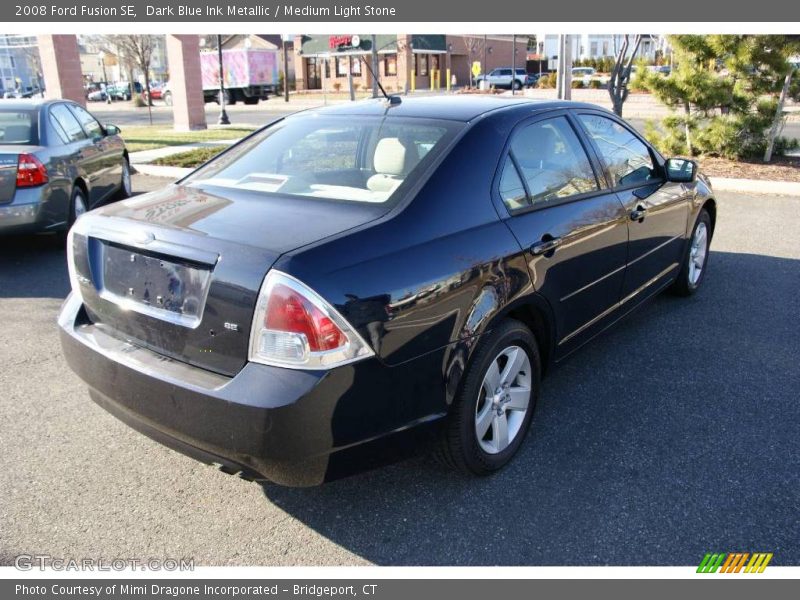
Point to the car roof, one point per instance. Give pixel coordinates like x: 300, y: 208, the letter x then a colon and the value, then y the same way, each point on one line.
x: 456, y: 107
x: 27, y: 103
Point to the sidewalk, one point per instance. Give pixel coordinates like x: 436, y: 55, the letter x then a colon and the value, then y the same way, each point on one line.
x: 148, y: 156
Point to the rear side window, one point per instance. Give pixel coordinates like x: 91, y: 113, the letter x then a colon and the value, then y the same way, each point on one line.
x: 626, y: 159
x: 17, y: 128
x: 62, y: 135
x: 68, y: 122
x: 90, y: 124
x: 512, y: 191
x: 552, y: 161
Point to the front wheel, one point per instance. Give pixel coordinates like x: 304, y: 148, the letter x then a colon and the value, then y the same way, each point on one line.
x: 167, y: 98
x: 695, y: 262
x: 493, y: 411
x: 125, y: 186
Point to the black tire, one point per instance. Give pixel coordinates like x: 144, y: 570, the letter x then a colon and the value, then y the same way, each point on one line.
x: 459, y: 447
x: 77, y: 192
x: 250, y: 100
x: 684, y: 284
x: 125, y: 190
x: 167, y: 97
x: 516, y: 85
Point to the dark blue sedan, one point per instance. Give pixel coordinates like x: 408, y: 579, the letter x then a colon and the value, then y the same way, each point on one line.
x: 349, y: 282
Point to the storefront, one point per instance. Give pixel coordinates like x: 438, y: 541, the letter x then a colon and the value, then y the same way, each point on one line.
x: 404, y: 61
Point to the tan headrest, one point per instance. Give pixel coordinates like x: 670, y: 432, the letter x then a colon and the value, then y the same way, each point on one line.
x: 390, y: 157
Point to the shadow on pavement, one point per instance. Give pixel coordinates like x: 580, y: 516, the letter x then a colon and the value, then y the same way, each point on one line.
x: 673, y: 435
x: 35, y: 266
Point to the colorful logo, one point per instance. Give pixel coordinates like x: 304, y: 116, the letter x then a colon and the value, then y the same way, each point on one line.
x: 734, y: 562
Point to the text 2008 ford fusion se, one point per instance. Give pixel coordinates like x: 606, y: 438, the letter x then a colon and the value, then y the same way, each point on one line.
x: 350, y: 281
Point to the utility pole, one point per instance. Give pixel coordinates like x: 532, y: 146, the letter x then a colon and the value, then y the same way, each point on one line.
x: 564, y: 73
x: 223, y: 115
x: 350, y: 77
x: 513, y: 64
x: 286, y: 67
x: 375, y: 72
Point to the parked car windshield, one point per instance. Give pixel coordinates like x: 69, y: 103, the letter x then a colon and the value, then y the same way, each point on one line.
x: 361, y: 159
x: 18, y: 127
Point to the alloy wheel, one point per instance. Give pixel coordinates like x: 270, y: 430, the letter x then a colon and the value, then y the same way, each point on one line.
x: 80, y: 205
x: 503, y: 400
x: 126, y: 178
x: 698, y: 253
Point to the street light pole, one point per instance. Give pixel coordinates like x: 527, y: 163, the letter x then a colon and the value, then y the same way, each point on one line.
x: 286, y: 67
x: 223, y: 115
x: 513, y: 64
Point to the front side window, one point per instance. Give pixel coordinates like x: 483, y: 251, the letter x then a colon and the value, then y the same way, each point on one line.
x: 68, y: 122
x: 90, y: 124
x: 360, y: 159
x: 552, y: 161
x: 626, y: 158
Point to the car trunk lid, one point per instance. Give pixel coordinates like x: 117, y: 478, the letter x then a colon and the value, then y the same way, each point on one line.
x: 9, y: 159
x: 178, y: 271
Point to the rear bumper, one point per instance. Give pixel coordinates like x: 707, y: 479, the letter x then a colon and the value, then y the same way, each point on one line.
x: 28, y: 212
x: 291, y: 427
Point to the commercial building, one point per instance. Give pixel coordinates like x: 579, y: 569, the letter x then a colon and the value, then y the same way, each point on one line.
x: 20, y: 69
x: 406, y: 62
x: 588, y: 45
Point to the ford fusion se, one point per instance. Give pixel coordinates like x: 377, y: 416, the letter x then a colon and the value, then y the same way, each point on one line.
x: 349, y: 282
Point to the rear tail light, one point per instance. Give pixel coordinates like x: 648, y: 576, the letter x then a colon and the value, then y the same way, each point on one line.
x: 30, y: 171
x: 294, y: 327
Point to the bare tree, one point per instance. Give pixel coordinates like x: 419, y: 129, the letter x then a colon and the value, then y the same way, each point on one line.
x: 475, y: 47
x: 137, y: 51
x: 621, y: 72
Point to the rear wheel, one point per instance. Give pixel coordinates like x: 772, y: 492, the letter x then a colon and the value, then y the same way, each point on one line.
x: 693, y: 268
x: 250, y: 100
x: 167, y: 96
x: 517, y: 85
x: 493, y: 411
x: 78, y: 205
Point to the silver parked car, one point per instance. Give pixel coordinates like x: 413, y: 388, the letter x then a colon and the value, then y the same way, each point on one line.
x: 56, y: 162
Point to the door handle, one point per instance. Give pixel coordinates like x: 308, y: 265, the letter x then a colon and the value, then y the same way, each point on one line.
x: 638, y: 213
x: 545, y: 246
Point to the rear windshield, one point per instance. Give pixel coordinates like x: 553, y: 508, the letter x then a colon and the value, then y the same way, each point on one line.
x: 18, y: 127
x: 353, y: 158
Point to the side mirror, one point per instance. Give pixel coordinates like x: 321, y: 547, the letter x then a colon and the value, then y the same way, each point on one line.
x: 111, y: 129
x: 681, y: 170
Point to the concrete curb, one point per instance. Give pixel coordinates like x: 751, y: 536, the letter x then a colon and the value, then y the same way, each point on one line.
x: 756, y: 186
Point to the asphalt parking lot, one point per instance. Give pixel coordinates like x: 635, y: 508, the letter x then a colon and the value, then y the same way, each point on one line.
x: 673, y: 435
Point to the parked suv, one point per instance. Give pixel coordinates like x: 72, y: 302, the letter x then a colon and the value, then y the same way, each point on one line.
x: 122, y: 90
x: 502, y: 78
